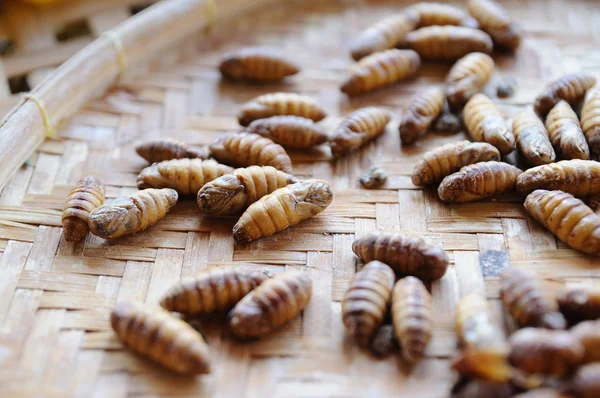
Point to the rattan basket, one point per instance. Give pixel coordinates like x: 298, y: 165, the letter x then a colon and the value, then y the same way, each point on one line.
x: 155, y: 75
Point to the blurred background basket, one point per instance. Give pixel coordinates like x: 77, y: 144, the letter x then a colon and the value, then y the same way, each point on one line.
x: 38, y: 35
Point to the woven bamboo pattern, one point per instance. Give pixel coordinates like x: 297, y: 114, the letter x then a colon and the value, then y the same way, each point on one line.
x: 35, y: 39
x: 56, y: 297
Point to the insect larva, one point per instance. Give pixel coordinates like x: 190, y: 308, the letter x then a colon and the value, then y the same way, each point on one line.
x: 278, y: 104
x: 580, y: 303
x: 256, y: 63
x: 127, y: 215
x: 450, y: 158
x: 423, y: 109
x: 527, y: 300
x: 588, y: 334
x: 467, y: 77
x: 358, y: 128
x: 365, y: 304
x: 570, y: 88
x: 585, y: 383
x: 432, y: 14
x: 381, y: 69
x: 186, y: 176
x: 543, y: 351
x: 478, y: 181
x: 167, y: 149
x: 375, y: 177
x: 407, y: 255
x: 271, y: 305
x: 448, y: 43
x: 215, y: 290
x: 383, y: 35
x: 289, y: 131
x: 566, y: 217
x: 532, y: 138
x: 161, y: 337
x: 494, y: 20
x: 282, y: 209
x: 578, y: 177
x: 84, y: 198
x: 484, y: 347
x: 247, y: 149
x: 412, y: 317
x: 565, y: 132
x: 590, y: 123
x: 234, y: 192
x: 485, y: 123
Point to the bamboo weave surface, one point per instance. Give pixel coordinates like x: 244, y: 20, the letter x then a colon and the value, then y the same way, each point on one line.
x: 35, y: 39
x: 55, y: 337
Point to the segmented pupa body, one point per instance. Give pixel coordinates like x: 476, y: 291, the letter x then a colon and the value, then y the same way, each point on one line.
x: 127, y: 215
x: 271, y: 305
x: 247, y: 149
x: 283, y: 208
x: 450, y: 158
x: 478, y: 181
x: 211, y: 291
x: 485, y: 123
x: 366, y: 302
x: 467, y: 77
x: 529, y: 303
x: 186, y: 176
x: 566, y: 217
x: 278, y: 104
x: 448, y: 43
x: 161, y: 337
x: 570, y: 88
x: 424, y: 108
x: 380, y: 69
x: 257, y: 63
x: 407, y: 255
x: 412, y: 317
x: 84, y: 198
x: 236, y: 191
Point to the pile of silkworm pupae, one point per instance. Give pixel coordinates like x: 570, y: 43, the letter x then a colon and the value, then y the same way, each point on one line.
x: 249, y: 175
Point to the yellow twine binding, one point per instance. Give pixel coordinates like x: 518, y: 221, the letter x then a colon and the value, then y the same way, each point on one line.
x: 50, y: 130
x: 121, y: 58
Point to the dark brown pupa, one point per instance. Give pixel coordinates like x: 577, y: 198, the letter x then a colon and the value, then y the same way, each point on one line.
x: 271, y: 305
x: 412, y: 317
x: 215, y: 290
x: 167, y: 149
x: 366, y: 301
x: 407, y: 255
x: 156, y: 334
x: 257, y: 64
x: 580, y: 303
x: 543, y: 351
x: 528, y: 301
x: 84, y: 198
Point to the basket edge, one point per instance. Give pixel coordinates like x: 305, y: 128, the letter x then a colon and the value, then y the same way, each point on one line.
x: 92, y: 70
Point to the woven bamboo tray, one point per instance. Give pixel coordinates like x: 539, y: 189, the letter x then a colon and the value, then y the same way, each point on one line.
x: 35, y: 39
x: 55, y: 338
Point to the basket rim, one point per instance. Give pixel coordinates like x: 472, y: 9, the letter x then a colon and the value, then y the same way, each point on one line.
x: 95, y: 68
